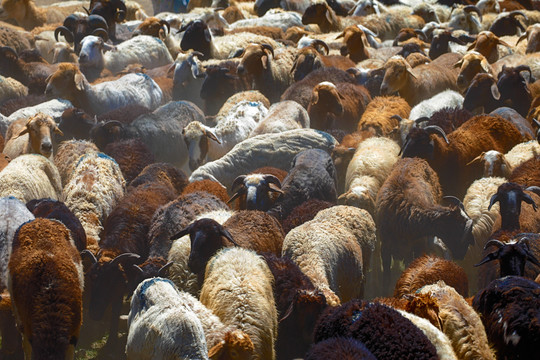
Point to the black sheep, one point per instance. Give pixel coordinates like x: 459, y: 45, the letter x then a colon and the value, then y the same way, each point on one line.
x: 339, y: 348
x: 385, y: 332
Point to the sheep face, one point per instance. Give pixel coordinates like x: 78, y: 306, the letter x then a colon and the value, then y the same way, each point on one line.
x: 483, y: 92
x: 533, y: 38
x: 471, y: 64
x: 511, y: 79
x: 306, y: 61
x: 39, y: 130
x: 366, y: 7
x: 197, y: 36
x: 236, y: 345
x: 92, y: 48
x: 396, y: 75
x: 494, y: 164
x: 464, y: 19
x: 196, y: 137
x: 316, y: 14
x: 255, y: 60
x: 154, y: 27
x: 258, y: 190
x: 512, y: 256
x: 509, y: 196
x: 418, y: 144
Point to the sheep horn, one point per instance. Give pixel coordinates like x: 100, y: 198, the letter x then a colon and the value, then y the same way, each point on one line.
x: 434, y: 129
x: 120, y: 12
x: 228, y: 235
x: 454, y: 200
x: 9, y: 50
x: 524, y: 36
x: 102, y: 33
x: 322, y: 43
x: 166, y: 24
x: 521, y: 68
x: 489, y: 257
x: 71, y: 21
x: 396, y: 117
x: 456, y: 40
x: 162, y: 272
x: 404, y: 147
x: 97, y: 21
x: 197, y: 53
x: 536, y: 122
x: 470, y: 8
x: 239, y: 181
x: 421, y: 34
x: 124, y: 257
x: 269, y: 48
x: 88, y: 254
x: 493, y: 200
x: 534, y: 189
x: 528, y: 199
x: 494, y: 242
x: 62, y: 30
x: 273, y: 183
x: 516, y: 13
x: 421, y: 120
x: 87, y: 11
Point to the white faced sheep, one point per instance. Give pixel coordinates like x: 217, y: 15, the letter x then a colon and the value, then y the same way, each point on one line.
x: 340, y: 232
x: 29, y: 177
x: 204, y: 142
x: 69, y: 83
x: 95, y: 187
x: 31, y: 136
x: 367, y: 171
x: 45, y: 283
x: 159, y: 326
x: 238, y: 289
x: 145, y: 50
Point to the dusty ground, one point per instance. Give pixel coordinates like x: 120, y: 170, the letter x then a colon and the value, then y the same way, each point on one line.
x: 146, y: 4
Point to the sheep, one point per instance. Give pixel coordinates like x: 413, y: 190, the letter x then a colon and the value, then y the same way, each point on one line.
x: 68, y: 82
x: 68, y: 154
x: 53, y: 108
x: 512, y: 115
x: 322, y: 15
x: 11, y: 89
x: 420, y: 84
x: 187, y: 82
x: 309, y: 58
x: 155, y: 307
x: 533, y: 37
x: 131, y: 155
x: 15, y: 37
x: 161, y: 29
x: 95, y: 187
x: 344, y: 103
x: 29, y: 16
x: 13, y: 213
x: 275, y: 150
x: 160, y: 130
x: 464, y: 18
x: 482, y: 95
x: 341, y: 232
x: 450, y: 155
x: 45, y: 283
x: 341, y: 348
x: 378, y: 118
x: 161, y: 173
x: 209, y: 186
x: 254, y: 230
x: 281, y: 19
x: 409, y: 198
x: 387, y: 26
x: 31, y: 136
x: 238, y: 289
x: 440, y: 43
x: 508, y: 307
x: 112, y: 11
x: 444, y: 99
x: 146, y: 50
x: 428, y: 269
x: 522, y: 152
x: 29, y: 177
x: 75, y: 28
x: 228, y: 132
x: 312, y: 176
x: 385, y: 332
x: 513, y: 88
x: 448, y: 311
x: 255, y: 191
x: 62, y: 52
x: 282, y: 116
x: 368, y: 169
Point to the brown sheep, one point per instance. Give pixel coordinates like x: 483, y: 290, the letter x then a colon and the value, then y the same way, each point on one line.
x: 471, y: 64
x: 29, y: 16
x: 378, y: 117
x: 45, y: 283
x: 309, y: 58
x: 486, y: 44
x: 131, y: 155
x: 209, y: 186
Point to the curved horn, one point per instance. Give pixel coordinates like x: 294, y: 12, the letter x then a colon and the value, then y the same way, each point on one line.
x: 97, y: 21
x: 396, y: 117
x: 489, y: 257
x: 62, y: 30
x: 470, y: 8
x: 9, y: 50
x: 322, y: 43
x: 521, y: 68
x: 271, y: 179
x: 517, y: 12
x: 121, y: 11
x: 534, y: 189
x: 88, y: 254
x: 421, y: 34
x: 536, y: 123
x: 522, y: 37
x: 421, y: 120
x: 162, y: 272
x: 228, y: 235
x: 269, y: 48
x: 102, y: 33
x: 123, y: 257
x: 455, y: 201
x: 434, y: 129
x: 71, y: 21
x: 166, y: 24
x: 494, y: 242
x: 239, y: 181
x: 493, y: 200
x: 197, y: 54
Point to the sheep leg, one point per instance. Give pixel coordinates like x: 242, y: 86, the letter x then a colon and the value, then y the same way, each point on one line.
x: 11, y: 338
x: 386, y: 262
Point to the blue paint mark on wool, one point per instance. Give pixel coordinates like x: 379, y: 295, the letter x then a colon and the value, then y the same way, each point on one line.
x: 356, y: 316
x: 253, y: 103
x: 327, y: 136
x: 99, y: 154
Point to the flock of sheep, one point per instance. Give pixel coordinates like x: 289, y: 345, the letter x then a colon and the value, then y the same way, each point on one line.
x: 316, y: 179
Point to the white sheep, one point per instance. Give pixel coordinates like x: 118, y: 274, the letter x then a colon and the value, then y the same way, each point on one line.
x: 367, y: 170
x: 68, y: 154
x: 282, y: 116
x: 146, y: 50
x: 11, y: 89
x: 69, y: 83
x: 275, y: 150
x: 277, y: 18
x: 94, y: 189
x: 188, y: 78
x: 238, y: 289
x: 160, y: 327
x: 30, y: 177
x: 334, y: 251
x: 522, y: 152
x: 426, y: 108
x: 204, y: 142
x: 437, y: 337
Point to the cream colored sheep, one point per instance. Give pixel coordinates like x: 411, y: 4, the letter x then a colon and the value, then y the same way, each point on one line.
x: 334, y: 251
x: 95, y: 187
x: 68, y: 154
x: 522, y: 152
x: 238, y: 289
x: 29, y: 177
x: 11, y: 89
x: 369, y: 167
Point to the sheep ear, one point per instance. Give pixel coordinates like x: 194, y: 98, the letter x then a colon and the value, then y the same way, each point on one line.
x: 485, y: 66
x: 495, y: 92
x: 315, y: 98
x: 79, y: 81
x: 411, y: 72
x: 274, y: 188
x: 211, y: 135
x: 215, y: 352
x: 183, y: 232
x: 21, y: 133
x: 264, y: 61
x: 471, y: 46
x: 458, y: 64
x: 228, y: 235
x: 489, y: 257
x: 476, y: 159
x: 529, y: 200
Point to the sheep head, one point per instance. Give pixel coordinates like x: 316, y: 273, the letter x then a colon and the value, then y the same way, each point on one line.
x: 197, y: 36
x: 153, y: 26
x: 258, y: 190
x: 256, y: 59
x: 196, y: 137
x: 320, y: 14
x: 508, y: 24
x: 420, y: 143
x: 206, y: 239
x: 486, y: 44
x: 482, y: 92
x: 464, y: 18
x: 397, y: 74
x: 471, y: 63
x: 307, y: 59
x: 512, y: 79
x: 426, y: 11
x: 39, y: 129
x: 75, y: 28
x: 91, y: 53
x: 533, y: 38
x: 512, y: 256
x: 509, y: 196
x: 236, y: 345
x: 494, y: 164
x: 367, y: 7
x: 439, y: 44
x: 355, y: 42
x: 66, y: 82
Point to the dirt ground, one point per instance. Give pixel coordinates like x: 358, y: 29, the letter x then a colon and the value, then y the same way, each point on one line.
x: 146, y: 4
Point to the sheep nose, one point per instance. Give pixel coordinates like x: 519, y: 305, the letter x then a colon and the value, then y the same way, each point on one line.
x: 46, y: 146
x: 83, y: 57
